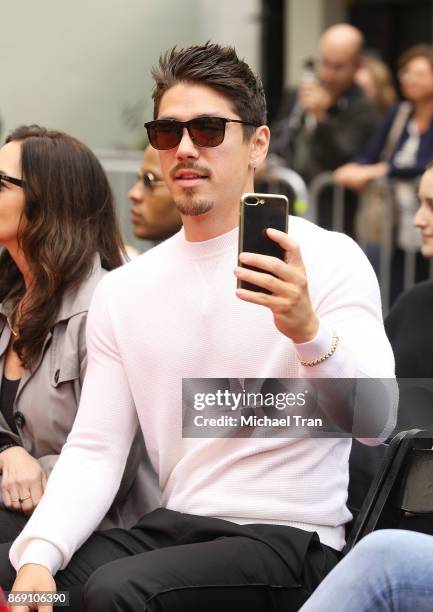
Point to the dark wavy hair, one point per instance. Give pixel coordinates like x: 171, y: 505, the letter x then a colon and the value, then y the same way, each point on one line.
x: 219, y: 68
x: 68, y: 218
x: 422, y: 50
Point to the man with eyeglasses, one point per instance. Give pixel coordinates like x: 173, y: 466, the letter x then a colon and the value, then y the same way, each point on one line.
x: 153, y: 213
x: 247, y: 523
x: 328, y: 119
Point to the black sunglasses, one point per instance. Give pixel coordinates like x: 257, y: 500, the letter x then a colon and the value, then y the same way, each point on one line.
x: 11, y: 179
x: 204, y: 131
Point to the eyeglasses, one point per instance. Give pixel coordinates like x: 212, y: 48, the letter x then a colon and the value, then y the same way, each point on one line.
x: 11, y: 179
x: 419, y: 75
x: 335, y: 66
x: 149, y: 180
x: 204, y: 131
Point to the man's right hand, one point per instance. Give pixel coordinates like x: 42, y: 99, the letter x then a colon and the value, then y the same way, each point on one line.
x: 315, y: 99
x: 33, y: 578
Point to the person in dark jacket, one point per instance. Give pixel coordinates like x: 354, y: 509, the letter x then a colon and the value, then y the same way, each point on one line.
x: 409, y: 323
x: 410, y: 331
x: 328, y: 119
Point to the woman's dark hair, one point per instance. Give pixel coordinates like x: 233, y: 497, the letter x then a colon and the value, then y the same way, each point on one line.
x: 68, y: 218
x: 217, y: 67
x: 422, y: 50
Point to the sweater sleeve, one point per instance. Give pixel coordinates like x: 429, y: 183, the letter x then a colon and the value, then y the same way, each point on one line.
x: 346, y: 299
x: 90, y: 467
x: 347, y: 302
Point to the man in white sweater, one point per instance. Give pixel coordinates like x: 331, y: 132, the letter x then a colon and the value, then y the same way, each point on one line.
x: 241, y: 516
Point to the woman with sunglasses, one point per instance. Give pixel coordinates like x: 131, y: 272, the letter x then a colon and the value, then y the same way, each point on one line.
x: 59, y: 236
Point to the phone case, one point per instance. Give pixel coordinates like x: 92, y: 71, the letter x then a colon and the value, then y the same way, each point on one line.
x: 259, y: 211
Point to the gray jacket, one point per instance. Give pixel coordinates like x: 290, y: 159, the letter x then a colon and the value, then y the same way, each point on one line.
x: 48, y: 396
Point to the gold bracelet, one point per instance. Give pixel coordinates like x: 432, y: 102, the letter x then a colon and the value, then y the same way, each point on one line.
x: 314, y: 362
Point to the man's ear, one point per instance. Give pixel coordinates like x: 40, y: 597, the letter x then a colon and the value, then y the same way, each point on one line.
x: 259, y: 145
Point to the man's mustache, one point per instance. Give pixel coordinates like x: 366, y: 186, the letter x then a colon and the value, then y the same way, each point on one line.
x: 189, y: 166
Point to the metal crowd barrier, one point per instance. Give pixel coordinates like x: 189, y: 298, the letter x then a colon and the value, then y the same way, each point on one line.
x: 388, y: 224
x: 325, y: 181
x: 318, y: 185
x: 279, y: 179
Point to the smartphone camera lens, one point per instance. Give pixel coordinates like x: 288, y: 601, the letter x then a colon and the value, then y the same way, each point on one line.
x: 251, y: 201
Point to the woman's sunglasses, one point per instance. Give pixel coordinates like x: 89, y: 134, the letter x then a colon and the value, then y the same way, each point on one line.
x: 204, y: 131
x: 11, y: 179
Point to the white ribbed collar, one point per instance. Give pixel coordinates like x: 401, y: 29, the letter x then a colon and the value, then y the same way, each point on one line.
x: 207, y: 248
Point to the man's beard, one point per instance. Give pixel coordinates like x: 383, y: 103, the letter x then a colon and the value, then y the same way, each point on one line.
x: 193, y: 208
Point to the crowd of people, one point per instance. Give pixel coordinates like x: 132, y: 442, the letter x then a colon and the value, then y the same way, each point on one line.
x: 345, y: 118
x: 101, y: 495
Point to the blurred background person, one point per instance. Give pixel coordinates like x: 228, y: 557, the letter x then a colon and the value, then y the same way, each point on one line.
x: 328, y: 119
x: 153, y: 213
x: 413, y: 146
x: 400, y: 149
x: 375, y: 78
x: 59, y: 235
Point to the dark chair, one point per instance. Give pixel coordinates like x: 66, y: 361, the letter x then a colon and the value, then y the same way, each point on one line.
x: 365, y: 463
x: 402, y: 484
x: 386, y: 482
x: 415, y: 407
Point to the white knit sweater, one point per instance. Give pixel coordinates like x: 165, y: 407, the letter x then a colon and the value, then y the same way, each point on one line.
x: 173, y: 313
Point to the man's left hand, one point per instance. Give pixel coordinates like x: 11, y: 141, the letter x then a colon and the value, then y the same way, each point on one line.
x: 287, y: 281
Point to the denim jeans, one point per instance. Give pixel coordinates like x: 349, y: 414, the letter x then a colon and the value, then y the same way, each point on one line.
x: 389, y: 570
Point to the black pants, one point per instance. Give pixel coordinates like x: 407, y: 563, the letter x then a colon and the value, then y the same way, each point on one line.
x: 183, y: 563
x: 11, y: 524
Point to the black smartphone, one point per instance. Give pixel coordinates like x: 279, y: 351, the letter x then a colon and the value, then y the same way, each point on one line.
x: 258, y: 212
